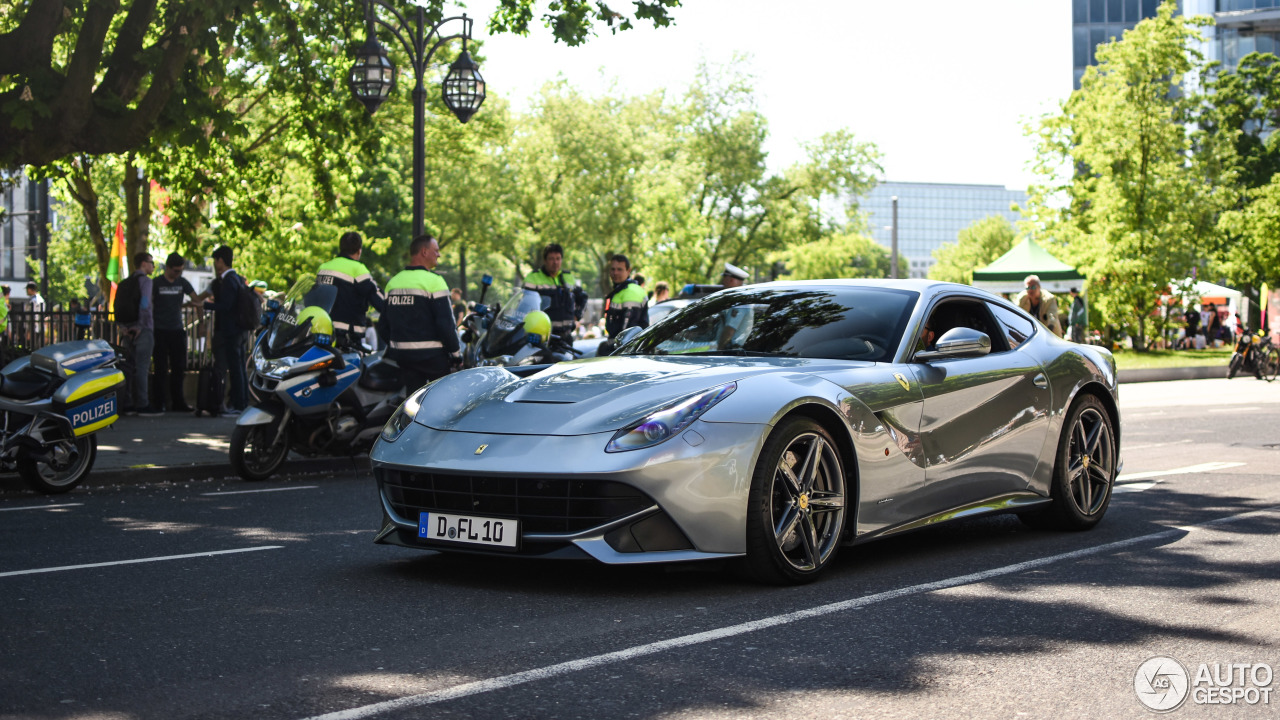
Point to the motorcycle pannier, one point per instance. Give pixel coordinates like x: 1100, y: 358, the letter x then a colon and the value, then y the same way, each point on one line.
x: 68, y: 358
x: 88, y: 399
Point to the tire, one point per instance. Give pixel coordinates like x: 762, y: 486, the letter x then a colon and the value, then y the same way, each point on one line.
x: 1084, y: 471
x: 1271, y: 364
x: 71, y: 462
x: 796, y: 508
x: 250, y: 457
x: 1234, y: 367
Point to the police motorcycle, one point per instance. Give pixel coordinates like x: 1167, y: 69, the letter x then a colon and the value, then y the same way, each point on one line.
x: 314, y: 394
x: 499, y: 336
x: 53, y: 401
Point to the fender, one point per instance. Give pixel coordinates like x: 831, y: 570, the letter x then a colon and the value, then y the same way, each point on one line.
x: 258, y: 416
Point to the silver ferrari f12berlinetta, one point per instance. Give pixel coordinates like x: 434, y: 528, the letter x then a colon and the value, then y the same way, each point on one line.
x: 769, y: 424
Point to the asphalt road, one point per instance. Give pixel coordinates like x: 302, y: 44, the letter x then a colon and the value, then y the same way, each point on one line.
x: 115, y: 605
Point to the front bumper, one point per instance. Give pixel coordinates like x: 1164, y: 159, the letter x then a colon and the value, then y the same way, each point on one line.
x: 682, y: 500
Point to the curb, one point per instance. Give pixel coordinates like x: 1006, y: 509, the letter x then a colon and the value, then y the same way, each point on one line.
x: 218, y: 471
x: 1140, y: 375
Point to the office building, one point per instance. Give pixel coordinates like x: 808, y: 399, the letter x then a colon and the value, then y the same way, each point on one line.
x: 1240, y: 27
x: 931, y: 215
x: 20, y: 199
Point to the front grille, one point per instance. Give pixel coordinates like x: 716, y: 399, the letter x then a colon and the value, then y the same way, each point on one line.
x: 542, y: 504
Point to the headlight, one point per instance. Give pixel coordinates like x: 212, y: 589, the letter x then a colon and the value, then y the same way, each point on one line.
x: 403, y: 416
x: 667, y: 422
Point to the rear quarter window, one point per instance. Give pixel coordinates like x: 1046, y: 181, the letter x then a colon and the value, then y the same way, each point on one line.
x: 1017, y: 328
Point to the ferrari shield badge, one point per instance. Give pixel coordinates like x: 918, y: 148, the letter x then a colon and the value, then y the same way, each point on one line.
x: 902, y: 380
x: 482, y: 448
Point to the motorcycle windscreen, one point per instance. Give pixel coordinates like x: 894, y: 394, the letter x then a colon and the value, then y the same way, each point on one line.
x: 291, y: 332
x: 507, y: 334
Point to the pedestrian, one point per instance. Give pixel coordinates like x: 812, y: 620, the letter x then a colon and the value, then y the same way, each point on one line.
x: 1213, y: 329
x: 228, y: 336
x: 568, y: 299
x: 357, y: 290
x: 134, y: 313
x: 35, y: 302
x: 733, y: 276
x: 1040, y: 303
x: 625, y: 307
x: 418, y: 322
x: 661, y: 292
x: 459, y: 305
x: 1078, y: 317
x: 168, y: 290
x: 1192, y: 319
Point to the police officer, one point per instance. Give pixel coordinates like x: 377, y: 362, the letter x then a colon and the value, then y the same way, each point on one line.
x: 568, y: 300
x: 418, y: 320
x: 356, y: 288
x: 626, y: 305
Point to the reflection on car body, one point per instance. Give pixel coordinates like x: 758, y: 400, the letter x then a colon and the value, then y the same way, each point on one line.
x: 770, y: 424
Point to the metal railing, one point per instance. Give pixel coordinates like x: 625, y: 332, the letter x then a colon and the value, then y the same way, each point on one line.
x: 29, y: 331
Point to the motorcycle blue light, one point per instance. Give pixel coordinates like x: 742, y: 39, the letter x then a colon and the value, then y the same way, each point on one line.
x: 668, y: 421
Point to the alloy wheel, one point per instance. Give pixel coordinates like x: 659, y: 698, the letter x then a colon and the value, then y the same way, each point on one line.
x: 1091, y: 461
x: 808, y: 502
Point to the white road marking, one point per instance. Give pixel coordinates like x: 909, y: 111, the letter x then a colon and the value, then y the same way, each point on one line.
x: 246, y: 492
x: 564, y: 668
x: 1134, y: 487
x: 140, y: 560
x: 1189, y: 470
x: 1234, y: 409
x: 1127, y: 448
x: 42, y: 507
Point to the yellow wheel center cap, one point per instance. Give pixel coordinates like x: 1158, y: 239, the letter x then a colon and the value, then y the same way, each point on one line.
x: 804, y: 502
x: 1086, y: 462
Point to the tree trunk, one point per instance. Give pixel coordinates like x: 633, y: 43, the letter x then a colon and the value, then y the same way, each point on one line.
x: 137, y: 210
x: 80, y: 184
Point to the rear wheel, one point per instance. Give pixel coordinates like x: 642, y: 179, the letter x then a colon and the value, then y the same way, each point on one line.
x: 253, y: 456
x: 1271, y: 364
x: 1085, y: 470
x: 64, y: 464
x: 796, y: 507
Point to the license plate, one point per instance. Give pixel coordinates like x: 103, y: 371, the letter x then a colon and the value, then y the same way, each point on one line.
x: 469, y: 529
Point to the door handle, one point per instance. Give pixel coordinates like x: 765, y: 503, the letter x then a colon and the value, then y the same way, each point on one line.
x: 1040, y: 381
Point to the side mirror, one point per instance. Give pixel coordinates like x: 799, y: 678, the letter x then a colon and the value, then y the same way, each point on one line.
x: 958, y: 343
x: 624, y: 337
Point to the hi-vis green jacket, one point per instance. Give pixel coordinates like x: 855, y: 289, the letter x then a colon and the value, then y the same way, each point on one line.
x: 568, y: 300
x: 418, y: 321
x: 627, y: 306
x: 356, y: 292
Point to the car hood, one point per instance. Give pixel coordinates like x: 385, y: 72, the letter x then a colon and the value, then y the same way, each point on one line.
x: 584, y: 396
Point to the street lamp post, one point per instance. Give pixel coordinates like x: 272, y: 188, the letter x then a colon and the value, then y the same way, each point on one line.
x: 373, y: 77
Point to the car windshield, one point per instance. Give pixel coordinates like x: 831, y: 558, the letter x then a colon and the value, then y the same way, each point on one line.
x: 286, y: 335
x: 844, y: 323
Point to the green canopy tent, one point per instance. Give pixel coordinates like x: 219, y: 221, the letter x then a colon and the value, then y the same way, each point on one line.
x: 1006, y: 275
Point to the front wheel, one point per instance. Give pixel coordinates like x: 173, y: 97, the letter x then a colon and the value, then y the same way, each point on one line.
x: 796, y: 506
x: 1085, y: 469
x: 61, y: 467
x: 253, y: 456
x: 1234, y: 367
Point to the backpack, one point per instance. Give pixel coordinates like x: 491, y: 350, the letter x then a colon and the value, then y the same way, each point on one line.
x: 128, y: 300
x: 248, y: 309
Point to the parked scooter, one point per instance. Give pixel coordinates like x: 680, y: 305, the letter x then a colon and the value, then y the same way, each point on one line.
x: 53, y: 401
x: 313, y: 398
x: 1256, y: 354
x: 497, y: 335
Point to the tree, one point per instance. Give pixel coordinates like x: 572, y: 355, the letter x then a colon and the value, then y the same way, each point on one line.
x: 976, y: 246
x: 841, y: 255
x: 1126, y: 197
x: 104, y: 77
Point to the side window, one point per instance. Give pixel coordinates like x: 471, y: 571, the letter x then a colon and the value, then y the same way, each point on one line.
x: 1017, y: 329
x: 970, y: 314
